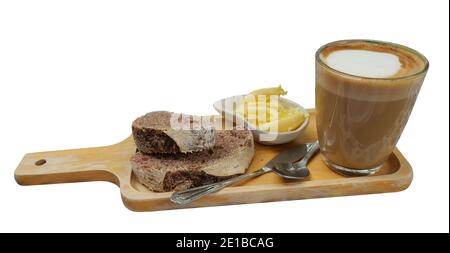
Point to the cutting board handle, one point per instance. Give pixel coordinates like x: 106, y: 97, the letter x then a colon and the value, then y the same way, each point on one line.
x: 78, y: 165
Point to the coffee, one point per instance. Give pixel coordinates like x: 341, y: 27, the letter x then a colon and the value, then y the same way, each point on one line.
x: 365, y: 91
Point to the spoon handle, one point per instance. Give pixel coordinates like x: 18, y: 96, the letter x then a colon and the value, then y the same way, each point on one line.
x: 312, y: 149
x: 189, y: 195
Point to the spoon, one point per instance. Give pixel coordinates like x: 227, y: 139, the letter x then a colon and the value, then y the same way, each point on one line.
x: 298, y: 169
x: 291, y: 154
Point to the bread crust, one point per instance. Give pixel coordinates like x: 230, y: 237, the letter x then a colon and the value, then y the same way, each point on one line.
x: 231, y: 155
x: 154, y: 133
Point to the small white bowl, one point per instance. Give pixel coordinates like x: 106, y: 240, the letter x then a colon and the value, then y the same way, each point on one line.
x: 265, y: 137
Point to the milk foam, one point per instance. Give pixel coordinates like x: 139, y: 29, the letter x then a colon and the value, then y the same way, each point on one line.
x: 364, y: 63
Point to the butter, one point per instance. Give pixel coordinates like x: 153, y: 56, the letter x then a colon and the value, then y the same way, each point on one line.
x: 277, y: 91
x: 263, y: 109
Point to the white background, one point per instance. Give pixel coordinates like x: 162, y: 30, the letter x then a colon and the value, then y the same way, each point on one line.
x: 76, y: 73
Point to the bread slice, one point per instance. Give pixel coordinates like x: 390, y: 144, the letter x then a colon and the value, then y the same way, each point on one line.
x: 231, y: 155
x: 166, y: 132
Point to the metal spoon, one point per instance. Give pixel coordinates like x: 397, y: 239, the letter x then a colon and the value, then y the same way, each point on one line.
x: 298, y: 169
x: 289, y: 155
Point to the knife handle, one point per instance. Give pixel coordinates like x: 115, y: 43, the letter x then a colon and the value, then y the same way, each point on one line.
x: 189, y: 195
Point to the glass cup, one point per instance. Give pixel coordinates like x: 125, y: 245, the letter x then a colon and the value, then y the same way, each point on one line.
x: 360, y: 119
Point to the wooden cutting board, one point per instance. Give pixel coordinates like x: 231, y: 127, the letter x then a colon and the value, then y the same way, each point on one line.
x: 111, y: 163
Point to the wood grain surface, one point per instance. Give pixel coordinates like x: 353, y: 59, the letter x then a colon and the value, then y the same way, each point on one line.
x: 111, y: 163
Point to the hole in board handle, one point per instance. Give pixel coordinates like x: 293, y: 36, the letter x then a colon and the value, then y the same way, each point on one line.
x: 40, y: 162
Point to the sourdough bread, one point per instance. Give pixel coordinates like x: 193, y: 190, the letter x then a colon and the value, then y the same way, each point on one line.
x: 166, y: 132
x: 231, y: 155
